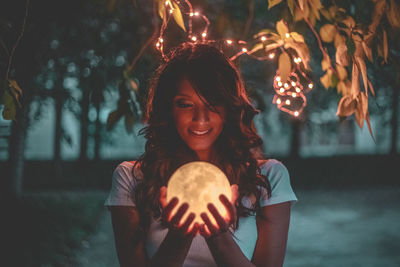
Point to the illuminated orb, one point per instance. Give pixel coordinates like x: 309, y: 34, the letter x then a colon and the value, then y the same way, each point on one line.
x: 199, y: 183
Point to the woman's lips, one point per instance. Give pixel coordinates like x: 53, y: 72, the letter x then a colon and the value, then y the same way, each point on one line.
x: 199, y: 132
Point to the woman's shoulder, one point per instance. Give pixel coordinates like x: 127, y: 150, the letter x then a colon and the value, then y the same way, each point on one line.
x: 273, y: 169
x: 270, y: 163
x: 125, y: 169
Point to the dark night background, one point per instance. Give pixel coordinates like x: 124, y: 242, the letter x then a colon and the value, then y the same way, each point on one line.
x: 57, y: 158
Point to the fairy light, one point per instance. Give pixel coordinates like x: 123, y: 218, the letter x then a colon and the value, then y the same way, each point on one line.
x: 290, y: 88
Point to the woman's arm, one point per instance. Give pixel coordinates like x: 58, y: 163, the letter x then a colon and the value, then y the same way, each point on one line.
x: 272, y: 228
x: 129, y: 238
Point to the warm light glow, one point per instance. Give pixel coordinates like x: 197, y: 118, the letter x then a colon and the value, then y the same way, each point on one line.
x: 287, y: 35
x: 297, y: 89
x: 161, y: 40
x: 299, y: 59
x: 158, y: 44
x: 191, y: 14
x: 271, y: 55
x: 286, y: 85
x: 199, y: 183
x: 279, y: 84
x: 194, y: 38
x: 278, y: 78
x: 296, y: 113
x: 281, y: 90
x: 171, y: 11
x: 263, y: 38
x: 196, y: 13
x: 293, y: 83
x: 294, y: 94
x: 244, y: 50
x: 229, y: 41
x: 287, y: 102
x: 204, y: 34
x: 310, y: 85
x: 278, y: 101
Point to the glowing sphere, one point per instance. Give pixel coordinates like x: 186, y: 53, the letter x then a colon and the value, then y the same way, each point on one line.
x: 199, y: 183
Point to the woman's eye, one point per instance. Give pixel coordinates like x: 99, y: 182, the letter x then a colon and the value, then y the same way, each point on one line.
x: 181, y: 104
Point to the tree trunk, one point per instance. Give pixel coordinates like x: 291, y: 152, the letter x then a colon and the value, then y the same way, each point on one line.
x: 84, y: 124
x: 295, y: 142
x: 59, y: 103
x: 97, y: 133
x: 395, y: 119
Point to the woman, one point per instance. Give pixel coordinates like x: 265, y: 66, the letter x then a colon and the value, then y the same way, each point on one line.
x: 198, y: 109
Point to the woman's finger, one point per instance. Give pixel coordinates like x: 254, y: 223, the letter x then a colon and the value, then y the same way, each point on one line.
x: 185, y: 225
x: 167, y: 209
x: 229, y: 207
x: 234, y: 193
x: 204, y: 231
x: 179, y: 214
x: 163, y: 196
x: 221, y: 222
x: 211, y: 227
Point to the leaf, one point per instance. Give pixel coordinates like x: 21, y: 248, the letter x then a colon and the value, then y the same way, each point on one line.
x: 349, y: 21
x: 112, y: 119
x: 351, y: 47
x: 326, y: 79
x: 371, y: 88
x: 129, y: 121
x: 385, y: 46
x: 178, y: 16
x: 361, y: 108
x: 161, y: 10
x: 355, y: 80
x: 327, y: 33
x: 369, y: 127
x: 341, y: 71
x: 15, y: 91
x: 326, y: 62
x: 282, y: 28
x: 297, y: 37
x: 393, y: 14
x: 302, y: 4
x: 301, y: 50
x: 285, y: 66
x: 361, y: 65
x: 272, y: 3
x: 346, y: 106
x: 291, y: 6
x: 367, y: 51
x: 341, y: 55
x: 344, y: 87
x: 10, y: 109
x: 326, y: 14
x: 315, y: 7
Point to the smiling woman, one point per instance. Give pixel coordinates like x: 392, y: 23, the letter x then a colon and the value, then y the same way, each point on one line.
x: 198, y: 110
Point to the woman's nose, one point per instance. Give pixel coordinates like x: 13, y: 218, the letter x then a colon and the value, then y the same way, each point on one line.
x: 201, y: 114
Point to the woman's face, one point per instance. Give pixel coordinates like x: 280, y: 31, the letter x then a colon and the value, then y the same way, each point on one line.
x: 197, y: 125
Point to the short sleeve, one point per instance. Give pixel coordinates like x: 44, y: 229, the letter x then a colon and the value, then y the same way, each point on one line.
x: 278, y: 177
x: 122, y: 187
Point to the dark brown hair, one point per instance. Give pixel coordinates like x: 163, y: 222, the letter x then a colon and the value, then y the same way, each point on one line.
x: 216, y: 79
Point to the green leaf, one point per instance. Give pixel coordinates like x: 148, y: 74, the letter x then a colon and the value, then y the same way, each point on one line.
x: 272, y: 3
x: 285, y: 66
x: 178, y: 16
x: 291, y: 6
x: 10, y: 109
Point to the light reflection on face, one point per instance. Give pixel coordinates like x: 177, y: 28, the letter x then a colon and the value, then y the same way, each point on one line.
x: 195, y: 122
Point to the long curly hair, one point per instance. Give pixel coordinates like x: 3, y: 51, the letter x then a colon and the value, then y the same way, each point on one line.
x: 216, y: 79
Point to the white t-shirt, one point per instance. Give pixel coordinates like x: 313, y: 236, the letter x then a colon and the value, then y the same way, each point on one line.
x: 123, y: 190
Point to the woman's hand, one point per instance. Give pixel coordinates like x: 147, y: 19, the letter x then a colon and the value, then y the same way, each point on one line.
x: 174, y: 223
x: 208, y: 229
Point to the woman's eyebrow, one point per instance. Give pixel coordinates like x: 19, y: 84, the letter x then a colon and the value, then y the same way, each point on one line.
x: 180, y: 94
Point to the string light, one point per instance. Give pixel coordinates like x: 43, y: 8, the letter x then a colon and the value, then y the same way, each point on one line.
x: 290, y: 88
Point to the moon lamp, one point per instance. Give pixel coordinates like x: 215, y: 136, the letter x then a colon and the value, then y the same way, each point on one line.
x: 199, y: 183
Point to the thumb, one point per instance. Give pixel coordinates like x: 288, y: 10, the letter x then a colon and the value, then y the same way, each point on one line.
x: 163, y: 196
x: 234, y: 193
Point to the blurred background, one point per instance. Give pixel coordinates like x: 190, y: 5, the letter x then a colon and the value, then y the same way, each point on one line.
x: 81, y: 112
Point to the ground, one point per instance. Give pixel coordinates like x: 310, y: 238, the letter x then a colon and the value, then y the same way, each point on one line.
x: 336, y: 227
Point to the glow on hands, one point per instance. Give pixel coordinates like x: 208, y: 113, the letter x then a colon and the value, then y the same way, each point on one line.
x: 209, y: 229
x: 173, y: 222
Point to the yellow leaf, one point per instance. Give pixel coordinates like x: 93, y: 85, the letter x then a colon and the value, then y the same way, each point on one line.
x: 361, y: 108
x: 326, y: 80
x: 315, y: 7
x: 161, y: 9
x: 341, y: 55
x: 344, y: 87
x: 385, y: 46
x: 301, y: 50
x: 361, y: 65
x: 291, y: 6
x: 332, y: 10
x: 178, y: 16
x: 326, y: 62
x: 355, y: 80
x: 369, y: 127
x: 282, y: 28
x: 341, y: 72
x: 349, y: 21
x: 339, y: 39
x: 302, y: 4
x: 285, y: 66
x: 371, y: 88
x: 327, y: 33
x: 346, y: 106
x: 393, y: 14
x: 272, y: 3
x: 367, y: 51
x: 297, y: 37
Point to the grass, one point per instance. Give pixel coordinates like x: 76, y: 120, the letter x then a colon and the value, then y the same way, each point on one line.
x: 45, y: 229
